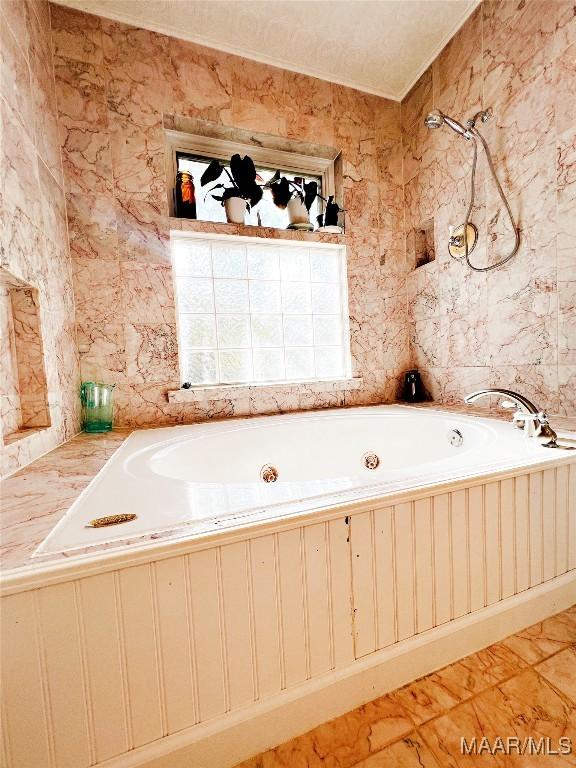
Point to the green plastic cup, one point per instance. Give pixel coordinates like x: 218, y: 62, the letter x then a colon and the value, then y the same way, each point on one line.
x: 97, y: 406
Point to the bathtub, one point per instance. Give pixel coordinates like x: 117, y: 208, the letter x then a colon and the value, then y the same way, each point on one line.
x: 209, y: 477
x: 233, y: 613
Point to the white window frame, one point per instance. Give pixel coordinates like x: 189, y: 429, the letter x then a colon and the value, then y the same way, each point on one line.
x: 345, y: 312
x: 222, y: 149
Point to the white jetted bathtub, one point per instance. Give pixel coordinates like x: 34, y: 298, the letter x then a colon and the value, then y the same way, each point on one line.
x: 233, y: 614
x: 215, y: 476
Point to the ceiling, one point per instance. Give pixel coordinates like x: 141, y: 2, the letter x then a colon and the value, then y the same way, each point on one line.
x: 378, y: 46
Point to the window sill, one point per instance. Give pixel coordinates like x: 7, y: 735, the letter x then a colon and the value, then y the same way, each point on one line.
x: 250, y: 230
x: 242, y: 391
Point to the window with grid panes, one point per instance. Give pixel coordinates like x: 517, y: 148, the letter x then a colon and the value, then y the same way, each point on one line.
x: 258, y: 311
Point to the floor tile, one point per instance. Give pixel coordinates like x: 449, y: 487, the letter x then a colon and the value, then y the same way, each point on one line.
x: 409, y: 752
x: 525, y: 706
x: 342, y: 742
x: 492, y: 693
x: 479, y: 671
x: 354, y: 736
x: 545, y: 638
x: 560, y: 670
x: 426, y: 698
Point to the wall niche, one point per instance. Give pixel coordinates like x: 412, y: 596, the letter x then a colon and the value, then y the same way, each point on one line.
x: 420, y: 244
x: 23, y: 390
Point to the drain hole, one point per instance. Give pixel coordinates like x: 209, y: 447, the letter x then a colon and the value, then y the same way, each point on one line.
x: 268, y: 473
x: 370, y: 460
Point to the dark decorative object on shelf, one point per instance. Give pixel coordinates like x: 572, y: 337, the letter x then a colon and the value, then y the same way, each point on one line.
x: 185, y: 195
x: 283, y: 190
x: 187, y: 385
x: 413, y: 391
x: 298, y: 196
x: 242, y: 186
x: 330, y: 216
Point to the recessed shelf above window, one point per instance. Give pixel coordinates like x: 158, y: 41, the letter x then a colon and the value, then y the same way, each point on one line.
x: 192, y: 144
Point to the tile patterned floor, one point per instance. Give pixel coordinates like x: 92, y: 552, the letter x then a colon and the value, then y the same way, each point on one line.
x: 524, y: 686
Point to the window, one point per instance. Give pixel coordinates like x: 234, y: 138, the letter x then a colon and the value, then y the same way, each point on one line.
x: 260, y: 311
x: 265, y: 214
x: 191, y: 152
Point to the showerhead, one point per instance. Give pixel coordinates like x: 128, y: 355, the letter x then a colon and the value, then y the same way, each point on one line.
x: 436, y: 119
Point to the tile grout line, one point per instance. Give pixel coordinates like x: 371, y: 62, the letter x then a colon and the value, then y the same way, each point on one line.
x: 418, y: 727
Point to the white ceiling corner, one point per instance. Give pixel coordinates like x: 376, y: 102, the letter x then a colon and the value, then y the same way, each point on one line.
x: 378, y: 46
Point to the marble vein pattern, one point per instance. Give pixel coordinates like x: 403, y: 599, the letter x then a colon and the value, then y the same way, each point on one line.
x: 118, y: 89
x: 34, y: 248
x: 514, y: 325
x: 523, y: 686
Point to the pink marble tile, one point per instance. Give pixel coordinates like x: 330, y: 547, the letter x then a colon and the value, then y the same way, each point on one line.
x: 138, y: 162
x: 97, y: 290
x: 258, y: 97
x: 53, y: 206
x: 102, y: 352
x: 537, y: 382
x: 81, y: 94
x: 307, y: 95
x: 76, y: 35
x: 567, y: 323
x: 86, y: 160
x: 22, y: 211
x: 354, y: 111
x: 427, y: 344
x: 92, y: 226
x: 418, y: 102
x: 387, y: 120
x: 519, y: 43
x: 33, y: 238
x: 17, y: 17
x: 15, y: 78
x: 45, y: 112
x: 147, y: 293
x: 457, y: 71
x: 564, y: 89
x: 139, y: 55
x: 142, y: 230
x: 202, y: 82
x: 567, y: 390
x: 362, y: 201
x: 464, y: 339
x: 282, y: 400
x: 151, y: 352
x: 422, y: 290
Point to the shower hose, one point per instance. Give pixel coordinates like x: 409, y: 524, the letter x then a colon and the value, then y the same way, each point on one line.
x: 475, y: 133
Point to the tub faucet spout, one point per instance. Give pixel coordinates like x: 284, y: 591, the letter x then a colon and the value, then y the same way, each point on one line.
x: 526, y: 415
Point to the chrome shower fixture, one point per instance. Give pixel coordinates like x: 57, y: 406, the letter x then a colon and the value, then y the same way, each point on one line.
x: 436, y: 119
x: 463, y: 239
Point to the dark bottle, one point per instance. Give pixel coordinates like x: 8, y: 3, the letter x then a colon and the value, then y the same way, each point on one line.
x: 413, y: 390
x: 185, y: 196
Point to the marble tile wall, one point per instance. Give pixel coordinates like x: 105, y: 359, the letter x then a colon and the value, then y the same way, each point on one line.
x: 33, y: 237
x: 118, y: 87
x: 515, y: 326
